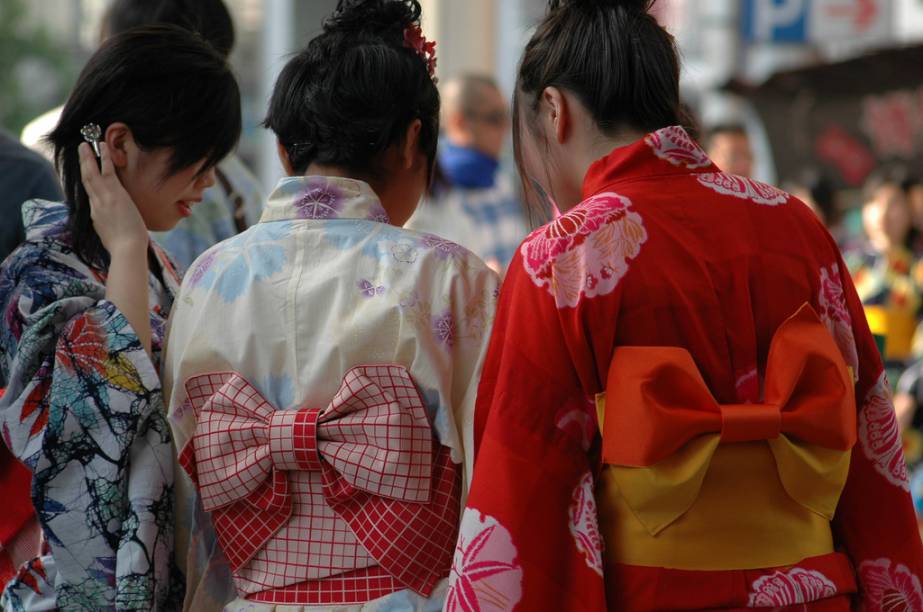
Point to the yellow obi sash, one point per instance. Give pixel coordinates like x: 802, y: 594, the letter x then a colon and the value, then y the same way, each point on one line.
x: 692, y: 484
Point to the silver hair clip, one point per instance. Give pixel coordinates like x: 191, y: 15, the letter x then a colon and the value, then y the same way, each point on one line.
x: 91, y: 133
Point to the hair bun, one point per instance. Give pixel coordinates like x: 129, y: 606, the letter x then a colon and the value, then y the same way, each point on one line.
x: 634, y: 6
x: 373, y: 16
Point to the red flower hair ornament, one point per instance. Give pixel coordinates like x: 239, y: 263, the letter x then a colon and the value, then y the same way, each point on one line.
x: 414, y: 39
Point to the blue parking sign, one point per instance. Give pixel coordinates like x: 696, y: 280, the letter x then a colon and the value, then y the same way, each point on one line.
x: 779, y: 21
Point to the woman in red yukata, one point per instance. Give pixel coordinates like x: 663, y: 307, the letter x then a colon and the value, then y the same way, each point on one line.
x: 682, y: 407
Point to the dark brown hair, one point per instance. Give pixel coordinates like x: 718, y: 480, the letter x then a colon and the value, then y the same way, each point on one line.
x: 354, y: 90
x: 210, y: 18
x: 613, y: 55
x: 171, y: 88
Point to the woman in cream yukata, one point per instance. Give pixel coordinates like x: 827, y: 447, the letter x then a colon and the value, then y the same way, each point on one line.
x: 322, y: 366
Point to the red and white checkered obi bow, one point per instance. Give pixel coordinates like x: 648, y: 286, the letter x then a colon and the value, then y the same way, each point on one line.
x: 356, y: 491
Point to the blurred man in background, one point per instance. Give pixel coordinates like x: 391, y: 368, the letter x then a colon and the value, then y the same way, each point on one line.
x: 728, y: 145
x: 472, y: 203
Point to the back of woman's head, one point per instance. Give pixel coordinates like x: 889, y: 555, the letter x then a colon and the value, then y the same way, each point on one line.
x: 170, y: 88
x: 210, y: 18
x: 613, y: 55
x: 355, y: 89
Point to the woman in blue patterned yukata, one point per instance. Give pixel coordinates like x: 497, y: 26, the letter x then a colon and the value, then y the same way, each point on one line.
x: 322, y: 365
x: 84, y: 302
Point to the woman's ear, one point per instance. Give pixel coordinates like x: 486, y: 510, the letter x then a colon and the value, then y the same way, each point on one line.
x: 411, y: 148
x: 556, y: 113
x: 284, y: 159
x: 121, y: 141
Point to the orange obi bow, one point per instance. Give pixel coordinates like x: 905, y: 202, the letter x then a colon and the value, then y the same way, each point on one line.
x: 662, y: 425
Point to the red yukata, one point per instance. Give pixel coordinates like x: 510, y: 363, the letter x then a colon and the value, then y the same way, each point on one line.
x: 668, y: 251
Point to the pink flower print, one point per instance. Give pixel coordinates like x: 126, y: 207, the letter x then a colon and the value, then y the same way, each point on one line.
x: 880, y: 435
x: 743, y: 188
x: 583, y: 524
x: 674, y: 145
x: 748, y: 386
x: 577, y: 418
x: 890, y: 589
x: 485, y: 576
x: 797, y: 586
x: 586, y: 251
x: 319, y: 200
x: 833, y: 312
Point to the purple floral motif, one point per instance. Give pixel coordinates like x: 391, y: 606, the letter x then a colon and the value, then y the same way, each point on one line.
x: 444, y: 248
x: 205, y: 264
x: 319, y: 200
x: 369, y: 290
x: 444, y: 329
x: 378, y: 214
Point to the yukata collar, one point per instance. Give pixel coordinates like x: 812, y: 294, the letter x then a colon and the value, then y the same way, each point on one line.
x: 47, y: 219
x: 323, y: 198
x: 668, y: 151
x: 44, y: 218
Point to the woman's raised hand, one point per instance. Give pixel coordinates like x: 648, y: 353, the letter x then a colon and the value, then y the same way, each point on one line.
x: 115, y: 217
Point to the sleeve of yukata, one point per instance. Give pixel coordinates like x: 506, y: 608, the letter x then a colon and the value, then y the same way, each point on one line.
x: 83, y: 411
x: 875, y: 519
x: 466, y: 334
x: 209, y: 583
x: 529, y: 538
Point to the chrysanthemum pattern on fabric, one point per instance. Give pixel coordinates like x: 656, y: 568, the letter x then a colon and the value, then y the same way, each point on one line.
x: 743, y: 188
x: 797, y: 586
x: 880, y: 435
x: 586, y: 251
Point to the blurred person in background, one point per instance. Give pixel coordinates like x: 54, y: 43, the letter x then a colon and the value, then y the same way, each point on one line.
x: 474, y: 204
x: 908, y: 390
x: 913, y: 189
x: 728, y: 146
x: 85, y: 300
x: 884, y: 269
x: 818, y: 192
x: 235, y: 201
x: 24, y: 175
